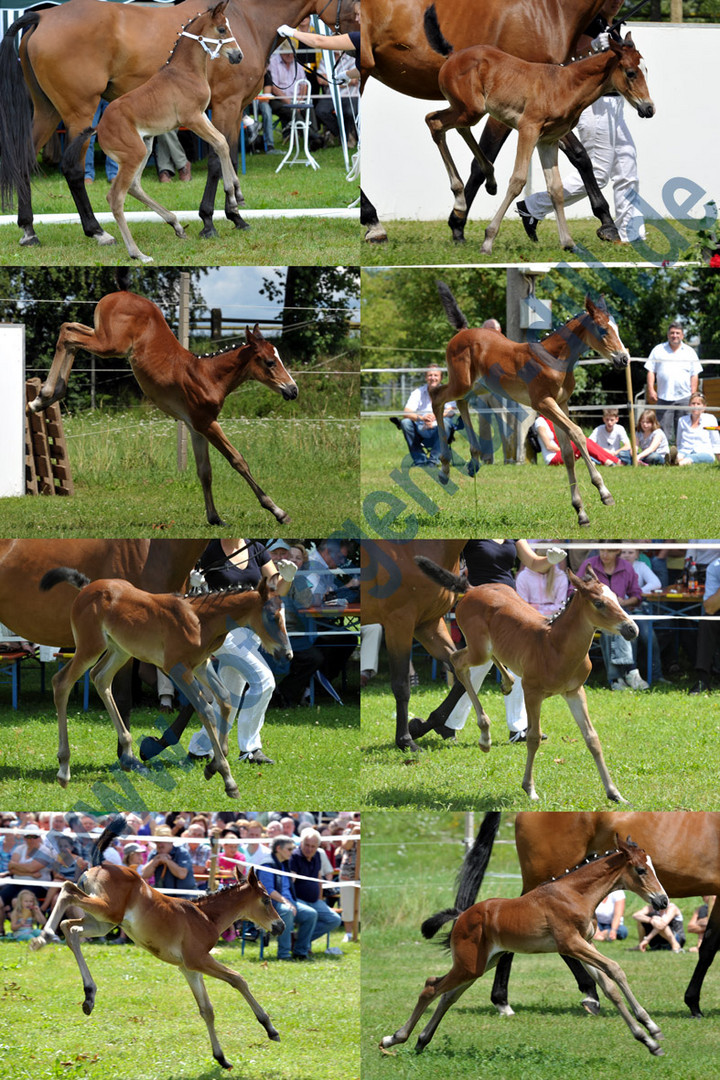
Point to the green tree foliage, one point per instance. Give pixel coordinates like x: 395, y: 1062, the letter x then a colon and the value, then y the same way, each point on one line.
x: 317, y: 301
x: 659, y: 11
x: 44, y: 298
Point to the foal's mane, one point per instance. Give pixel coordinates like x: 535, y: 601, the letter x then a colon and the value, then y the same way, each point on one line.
x: 594, y: 856
x: 180, y: 32
x: 222, y: 352
x: 208, y: 899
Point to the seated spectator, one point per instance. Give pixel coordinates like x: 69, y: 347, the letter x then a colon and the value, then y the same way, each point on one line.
x: 170, y: 158
x: 618, y: 575
x: 649, y: 582
x: 26, y: 918
x: 30, y: 858
x: 344, y: 72
x: 708, y: 638
x: 283, y: 75
x: 611, y: 435
x: 419, y: 426
x: 661, y: 929
x: 171, y: 866
x: 306, y: 862
x: 199, y: 852
x: 299, y: 918
x: 133, y: 855
x: 550, y: 447
x: 609, y: 915
x: 697, y: 441
x: 698, y: 921
x: 546, y: 590
x: 653, y: 446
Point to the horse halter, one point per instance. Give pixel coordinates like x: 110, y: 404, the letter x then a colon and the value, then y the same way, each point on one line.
x: 216, y: 43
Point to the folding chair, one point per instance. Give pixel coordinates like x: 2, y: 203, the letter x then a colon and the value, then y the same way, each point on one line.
x: 301, y: 106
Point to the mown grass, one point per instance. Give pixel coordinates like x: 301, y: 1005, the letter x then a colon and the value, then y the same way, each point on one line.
x: 426, y: 243
x: 524, y: 500
x: 316, y: 747
x: 658, y: 745
x: 409, y: 867
x: 146, y: 1026
x: 127, y: 482
x: 291, y: 241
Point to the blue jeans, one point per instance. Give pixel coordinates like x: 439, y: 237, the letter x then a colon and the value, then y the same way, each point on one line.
x: 302, y: 922
x: 111, y: 166
x: 617, y: 654
x: 699, y: 457
x: 651, y: 459
x: 327, y: 919
x: 420, y: 438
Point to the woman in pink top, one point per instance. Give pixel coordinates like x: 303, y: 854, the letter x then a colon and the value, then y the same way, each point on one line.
x: 547, y: 592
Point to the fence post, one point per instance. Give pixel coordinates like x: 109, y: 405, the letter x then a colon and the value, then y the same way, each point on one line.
x: 215, y: 323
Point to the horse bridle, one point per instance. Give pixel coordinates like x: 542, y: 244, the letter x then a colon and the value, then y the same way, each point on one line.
x: 216, y: 43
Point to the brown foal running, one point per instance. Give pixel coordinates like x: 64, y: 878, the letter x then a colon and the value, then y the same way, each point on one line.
x: 549, y: 655
x: 113, y: 621
x: 177, y: 931
x: 542, y: 101
x: 184, y: 386
x: 557, y: 917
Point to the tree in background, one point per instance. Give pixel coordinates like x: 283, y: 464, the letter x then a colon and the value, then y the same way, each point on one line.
x: 54, y: 295
x: 317, y: 302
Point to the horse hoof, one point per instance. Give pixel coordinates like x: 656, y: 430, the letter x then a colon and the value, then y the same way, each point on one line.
x: 30, y: 241
x: 484, y: 747
x: 376, y: 234
x: 443, y: 478
x: 62, y: 781
x: 105, y: 239
x: 607, y: 500
x: 180, y: 232
x: 150, y: 748
x: 209, y: 232
x: 657, y: 1051
x: 472, y: 467
x: 241, y: 224
x: 609, y: 233
x: 210, y: 770
x: 491, y: 187
x: 282, y: 516
x: 233, y: 793
x: 590, y: 1005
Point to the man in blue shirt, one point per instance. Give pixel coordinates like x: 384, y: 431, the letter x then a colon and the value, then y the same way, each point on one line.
x: 708, y: 630
x: 306, y: 862
x: 295, y: 914
x: 171, y: 865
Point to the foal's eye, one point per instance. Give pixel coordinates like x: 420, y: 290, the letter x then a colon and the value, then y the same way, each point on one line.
x: 270, y: 362
x: 641, y: 871
x: 599, y: 604
x: 630, y: 75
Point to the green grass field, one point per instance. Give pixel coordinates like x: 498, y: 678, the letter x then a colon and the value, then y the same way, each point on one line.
x: 146, y: 1025
x: 318, y: 744
x: 283, y: 241
x: 409, y: 867
x: 658, y: 746
x: 526, y: 500
x: 426, y: 243
x: 127, y: 482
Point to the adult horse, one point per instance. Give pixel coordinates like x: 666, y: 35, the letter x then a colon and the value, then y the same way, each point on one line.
x: 685, y: 848
x: 121, y: 47
x: 157, y: 566
x: 395, y: 593
x: 396, y: 51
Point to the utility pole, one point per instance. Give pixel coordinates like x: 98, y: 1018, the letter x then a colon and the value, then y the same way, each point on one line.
x: 184, y: 337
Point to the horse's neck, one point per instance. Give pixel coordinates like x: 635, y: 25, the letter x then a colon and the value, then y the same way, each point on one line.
x: 571, y: 632
x: 225, y: 907
x: 588, y: 78
x: 230, y: 369
x: 566, y: 343
x: 220, y: 612
x: 189, y: 55
x: 594, y: 881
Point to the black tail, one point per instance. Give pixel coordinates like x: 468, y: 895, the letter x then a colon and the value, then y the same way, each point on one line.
x: 74, y: 150
x: 18, y: 160
x: 470, y: 877
x: 434, y: 34
x: 114, y: 829
x: 448, y: 580
x: 453, y: 312
x: 63, y: 573
x: 122, y: 278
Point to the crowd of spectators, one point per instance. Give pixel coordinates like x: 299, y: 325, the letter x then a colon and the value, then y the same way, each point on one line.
x: 189, y: 853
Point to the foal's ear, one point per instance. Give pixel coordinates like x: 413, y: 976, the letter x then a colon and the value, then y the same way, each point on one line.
x: 218, y: 10
x: 263, y: 588
x: 253, y: 334
x: 628, y: 42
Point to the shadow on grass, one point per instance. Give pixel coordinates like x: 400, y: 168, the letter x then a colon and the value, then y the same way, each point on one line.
x: 400, y: 797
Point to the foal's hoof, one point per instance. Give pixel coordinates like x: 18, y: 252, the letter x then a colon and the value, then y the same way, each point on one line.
x: 180, y: 232
x: 376, y: 235
x: 105, y: 239
x: 472, y: 467
x: 443, y: 477
x: 607, y: 500
x: 233, y: 792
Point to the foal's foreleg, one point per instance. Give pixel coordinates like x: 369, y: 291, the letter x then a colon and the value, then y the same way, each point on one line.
x: 609, y: 976
x: 527, y: 138
x: 577, y: 703
x: 214, y: 434
x: 533, y: 703
x: 207, y: 131
x: 462, y: 665
x: 548, y: 158
x: 196, y: 984
x: 208, y: 965
x: 564, y: 427
x: 55, y: 386
x: 185, y: 681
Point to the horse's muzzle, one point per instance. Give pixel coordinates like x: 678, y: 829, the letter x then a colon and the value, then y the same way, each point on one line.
x: 646, y: 109
x: 659, y: 901
x: 629, y: 630
x: 620, y: 360
x: 289, y: 391
x: 278, y: 926
x: 235, y: 56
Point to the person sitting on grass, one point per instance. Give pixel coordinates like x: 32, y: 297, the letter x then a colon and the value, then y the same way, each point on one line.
x: 550, y: 448
x: 653, y: 446
x: 697, y: 437
x: 661, y: 929
x: 26, y: 918
x: 611, y: 435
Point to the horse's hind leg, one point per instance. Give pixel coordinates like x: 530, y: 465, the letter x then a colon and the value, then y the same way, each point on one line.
x: 475, y: 448
x: 491, y: 141
x: 485, y: 164
x: 214, y: 434
x: 435, y: 986
x: 62, y: 683
x: 449, y: 998
x: 138, y: 192
x: 102, y: 676
x: 438, y: 124
x: 55, y: 386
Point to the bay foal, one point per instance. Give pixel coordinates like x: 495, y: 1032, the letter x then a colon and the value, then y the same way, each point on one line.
x: 176, y: 96
x: 540, y: 375
x: 549, y: 655
x: 184, y: 386
x: 542, y: 101
x: 180, y: 932
x: 113, y: 621
x: 557, y: 917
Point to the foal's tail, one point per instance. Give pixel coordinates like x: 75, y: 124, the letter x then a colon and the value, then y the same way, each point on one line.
x: 445, y: 578
x: 63, y: 573
x: 434, y: 34
x: 470, y: 877
x: 453, y: 312
x: 73, y: 150
x: 17, y: 153
x: 112, y: 830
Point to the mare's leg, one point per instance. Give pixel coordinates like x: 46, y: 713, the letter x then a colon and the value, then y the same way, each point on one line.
x: 499, y: 994
x: 214, y: 434
x: 577, y: 703
x: 436, y: 986
x: 578, y: 156
x: 491, y: 141
x: 706, y: 955
x: 527, y: 139
x: 76, y: 122
x: 565, y: 426
x: 374, y: 231
x: 102, y: 676
x: 398, y: 643
x: 548, y: 158
x: 226, y: 119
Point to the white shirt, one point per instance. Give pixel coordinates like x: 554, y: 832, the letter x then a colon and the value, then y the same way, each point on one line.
x: 610, y: 440
x: 542, y: 424
x: 697, y: 438
x: 649, y: 581
x: 673, y: 370
x: 419, y: 402
x: 605, y: 909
